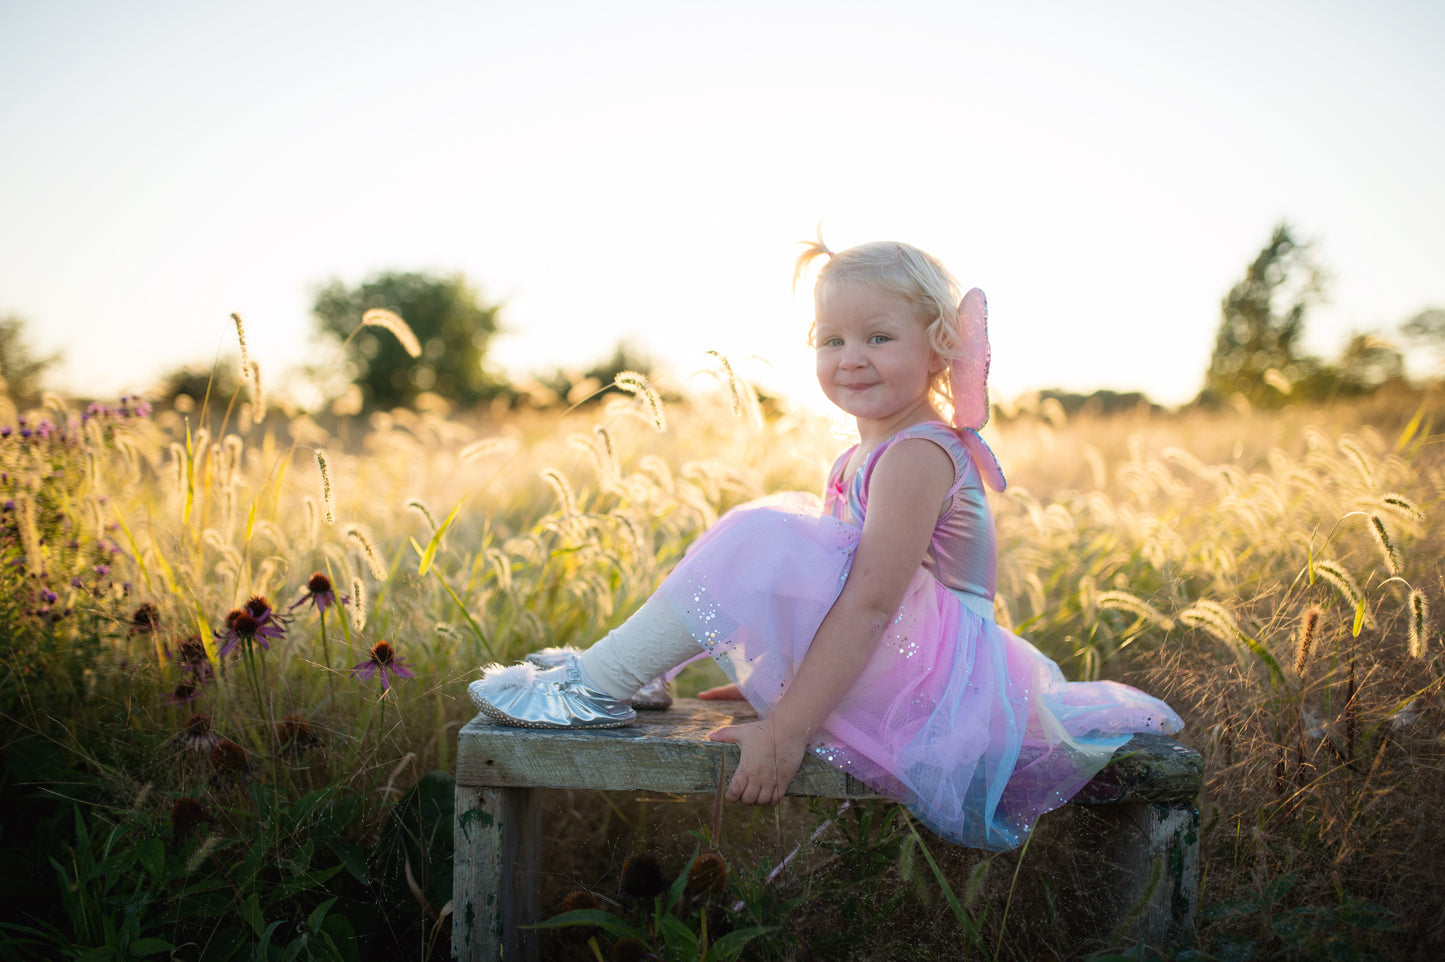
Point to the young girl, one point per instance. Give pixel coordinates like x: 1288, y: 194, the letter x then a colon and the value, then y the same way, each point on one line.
x: 862, y: 630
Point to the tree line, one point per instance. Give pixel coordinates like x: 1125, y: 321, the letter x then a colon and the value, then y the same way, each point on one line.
x: 1258, y: 350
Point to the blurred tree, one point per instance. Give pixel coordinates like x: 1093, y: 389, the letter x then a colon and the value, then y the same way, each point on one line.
x: 1368, y: 363
x: 1428, y: 329
x: 574, y: 386
x: 1263, y: 320
x: 451, y: 326
x: 20, y: 369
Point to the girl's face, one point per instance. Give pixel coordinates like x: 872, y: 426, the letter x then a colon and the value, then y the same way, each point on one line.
x: 873, y: 356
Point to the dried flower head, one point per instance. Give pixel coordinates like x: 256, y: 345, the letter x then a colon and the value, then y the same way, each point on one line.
x: 229, y: 760
x: 193, y: 659
x: 185, y: 692
x: 187, y: 816
x: 628, y: 949
x: 577, y: 901
x: 147, y: 618
x: 384, y: 659
x: 295, y: 734
x: 708, y: 875
x: 642, y: 877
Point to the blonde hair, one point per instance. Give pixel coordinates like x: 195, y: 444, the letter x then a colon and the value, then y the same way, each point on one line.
x: 892, y: 267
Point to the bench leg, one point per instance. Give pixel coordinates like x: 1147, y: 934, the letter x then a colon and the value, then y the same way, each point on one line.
x: 494, y: 874
x: 1152, y: 854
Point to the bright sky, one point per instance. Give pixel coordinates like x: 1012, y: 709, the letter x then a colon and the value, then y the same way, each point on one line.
x: 643, y: 170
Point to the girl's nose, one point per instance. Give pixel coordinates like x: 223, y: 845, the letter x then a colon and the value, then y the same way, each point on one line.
x: 853, y: 357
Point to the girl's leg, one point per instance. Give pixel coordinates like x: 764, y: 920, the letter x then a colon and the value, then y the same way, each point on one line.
x: 650, y: 643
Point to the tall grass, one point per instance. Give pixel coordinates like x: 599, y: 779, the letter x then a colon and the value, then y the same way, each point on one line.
x: 1183, y: 553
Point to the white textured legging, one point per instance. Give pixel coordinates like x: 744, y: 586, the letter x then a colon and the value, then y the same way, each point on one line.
x: 653, y: 641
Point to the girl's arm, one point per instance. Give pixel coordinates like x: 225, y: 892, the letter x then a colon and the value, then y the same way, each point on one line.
x: 905, y: 495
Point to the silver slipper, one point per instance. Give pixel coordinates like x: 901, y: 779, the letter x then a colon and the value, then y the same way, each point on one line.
x: 524, y: 696
x: 656, y: 695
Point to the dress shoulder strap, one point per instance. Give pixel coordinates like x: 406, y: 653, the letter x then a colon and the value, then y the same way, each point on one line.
x: 969, y: 453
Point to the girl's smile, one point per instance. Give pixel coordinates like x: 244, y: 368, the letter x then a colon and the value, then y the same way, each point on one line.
x: 874, y: 360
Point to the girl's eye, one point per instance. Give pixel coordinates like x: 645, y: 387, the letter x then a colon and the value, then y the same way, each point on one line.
x: 878, y: 338
x: 833, y: 342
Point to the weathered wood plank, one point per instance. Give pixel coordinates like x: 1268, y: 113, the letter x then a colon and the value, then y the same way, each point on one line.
x: 669, y: 752
x: 497, y: 838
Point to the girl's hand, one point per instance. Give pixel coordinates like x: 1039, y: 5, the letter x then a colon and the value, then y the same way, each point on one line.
x: 721, y: 693
x: 768, y: 763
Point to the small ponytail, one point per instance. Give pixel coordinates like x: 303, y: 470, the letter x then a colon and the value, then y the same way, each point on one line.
x: 812, y: 250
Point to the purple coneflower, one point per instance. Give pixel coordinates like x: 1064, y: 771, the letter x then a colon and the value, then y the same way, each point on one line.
x: 383, y: 659
x: 319, y: 592
x: 255, y: 621
x: 199, y: 734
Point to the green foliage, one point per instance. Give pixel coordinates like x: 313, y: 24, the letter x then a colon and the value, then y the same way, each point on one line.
x: 453, y: 328
x: 20, y: 370
x: 1263, y: 321
x: 681, y: 924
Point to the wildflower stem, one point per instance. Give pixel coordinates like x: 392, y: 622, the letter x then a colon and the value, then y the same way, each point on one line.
x: 326, y: 658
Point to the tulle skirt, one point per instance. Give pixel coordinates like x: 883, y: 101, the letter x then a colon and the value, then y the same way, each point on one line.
x: 967, y: 724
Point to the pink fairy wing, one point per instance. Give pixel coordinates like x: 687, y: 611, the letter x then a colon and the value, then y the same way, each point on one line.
x: 968, y: 375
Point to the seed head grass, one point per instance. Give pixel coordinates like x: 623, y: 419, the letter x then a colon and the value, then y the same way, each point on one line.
x: 1125, y: 565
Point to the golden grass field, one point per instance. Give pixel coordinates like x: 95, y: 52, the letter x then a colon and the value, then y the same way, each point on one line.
x: 1270, y: 574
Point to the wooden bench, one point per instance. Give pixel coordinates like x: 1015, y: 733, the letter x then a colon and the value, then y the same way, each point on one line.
x: 1148, y: 829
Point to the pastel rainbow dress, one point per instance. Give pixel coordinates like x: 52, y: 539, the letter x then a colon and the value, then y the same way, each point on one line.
x: 967, y: 724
